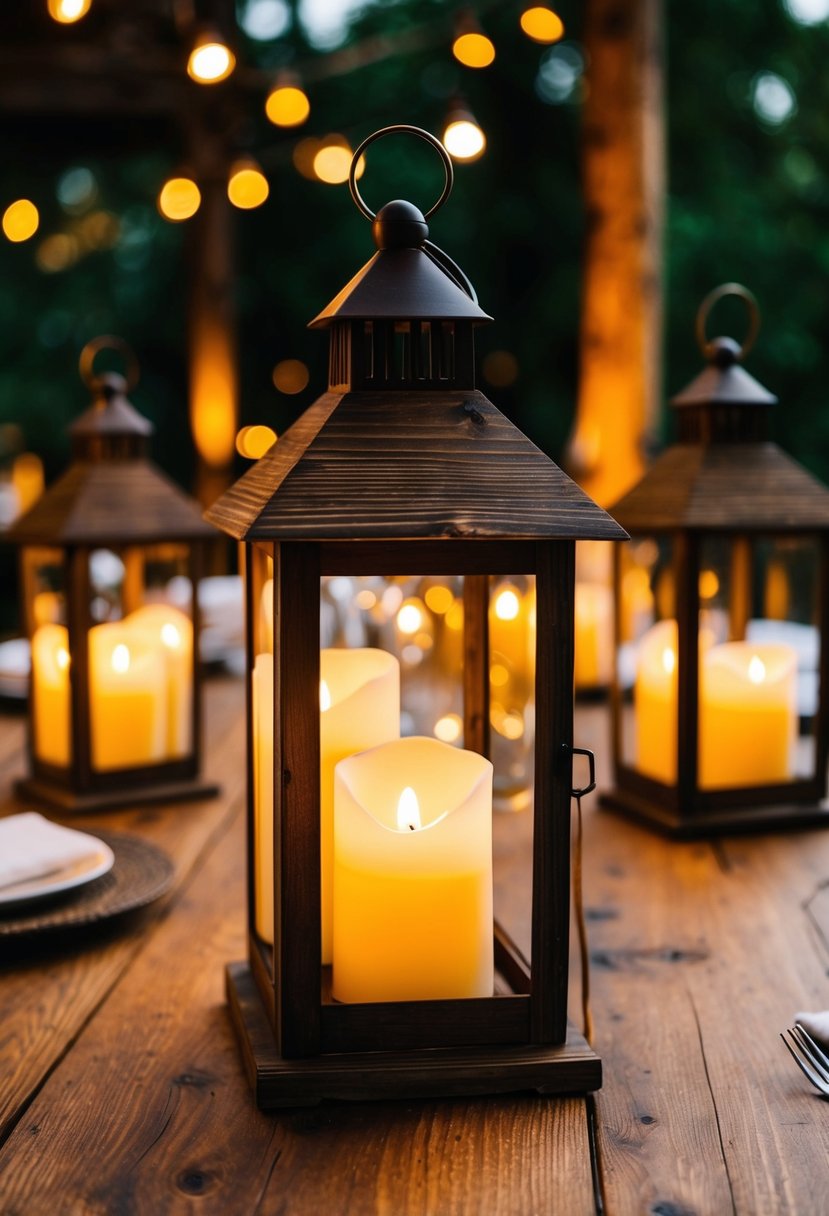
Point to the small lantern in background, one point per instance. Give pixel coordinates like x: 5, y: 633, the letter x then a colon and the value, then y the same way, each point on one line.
x: 371, y: 934
x: 110, y: 561
x: 722, y: 611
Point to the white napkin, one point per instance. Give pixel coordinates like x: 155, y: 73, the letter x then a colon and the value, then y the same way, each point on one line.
x: 31, y: 847
x: 815, y: 1024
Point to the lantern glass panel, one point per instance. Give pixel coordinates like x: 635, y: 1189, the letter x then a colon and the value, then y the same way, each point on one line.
x: 646, y: 659
x: 512, y: 633
x: 759, y: 660
x: 44, y: 576
x: 261, y: 616
x: 141, y: 649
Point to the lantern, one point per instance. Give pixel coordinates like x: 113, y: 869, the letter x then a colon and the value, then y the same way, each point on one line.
x: 374, y: 964
x: 720, y: 713
x: 110, y: 560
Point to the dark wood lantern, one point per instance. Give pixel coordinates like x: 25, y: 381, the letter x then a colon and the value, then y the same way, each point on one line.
x: 401, y: 468
x: 110, y: 562
x: 720, y: 702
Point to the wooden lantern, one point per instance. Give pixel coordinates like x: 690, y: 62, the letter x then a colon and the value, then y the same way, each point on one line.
x: 722, y: 596
x: 401, y: 468
x: 110, y: 563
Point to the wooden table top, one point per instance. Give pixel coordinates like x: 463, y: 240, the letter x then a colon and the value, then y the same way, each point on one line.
x: 122, y: 1091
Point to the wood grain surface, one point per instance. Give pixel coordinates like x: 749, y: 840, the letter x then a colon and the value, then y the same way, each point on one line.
x: 123, y: 1090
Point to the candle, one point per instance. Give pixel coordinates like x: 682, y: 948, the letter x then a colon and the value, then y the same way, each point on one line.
x: 172, y: 634
x: 594, y: 635
x: 747, y: 710
x: 748, y: 719
x: 359, y: 709
x: 413, y: 874
x: 128, y: 697
x: 262, y: 726
x: 50, y: 695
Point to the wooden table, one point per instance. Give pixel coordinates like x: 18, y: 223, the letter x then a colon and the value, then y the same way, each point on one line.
x: 121, y: 1088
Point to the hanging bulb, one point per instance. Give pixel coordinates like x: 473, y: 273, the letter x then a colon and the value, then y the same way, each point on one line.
x: 247, y: 186
x: 66, y: 12
x: 179, y: 198
x: 463, y: 138
x: 542, y: 24
x: 471, y: 46
x: 287, y: 104
x: 211, y: 59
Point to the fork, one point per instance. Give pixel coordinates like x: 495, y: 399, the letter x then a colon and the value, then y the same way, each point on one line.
x: 810, y: 1059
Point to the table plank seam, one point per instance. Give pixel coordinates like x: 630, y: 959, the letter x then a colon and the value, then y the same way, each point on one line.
x: 713, y: 1102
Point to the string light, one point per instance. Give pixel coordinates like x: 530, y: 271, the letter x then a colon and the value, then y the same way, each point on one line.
x: 462, y: 137
x: 332, y: 161
x: 290, y: 376
x: 65, y: 12
x: 211, y: 60
x: 471, y: 46
x: 287, y: 104
x: 179, y: 199
x: 20, y: 220
x: 247, y: 187
x: 542, y: 24
x: 252, y: 442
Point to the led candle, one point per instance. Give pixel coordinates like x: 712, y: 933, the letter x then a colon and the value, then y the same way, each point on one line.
x: 50, y: 693
x: 359, y: 709
x: 262, y: 726
x: 654, y: 699
x: 128, y: 697
x: 413, y: 874
x: 172, y: 633
x: 594, y: 635
x: 748, y: 718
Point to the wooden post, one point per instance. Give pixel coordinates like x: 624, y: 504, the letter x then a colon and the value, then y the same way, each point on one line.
x: 621, y: 317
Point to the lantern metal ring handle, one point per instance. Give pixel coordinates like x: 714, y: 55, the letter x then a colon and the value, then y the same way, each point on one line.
x: 708, y: 346
x: 108, y: 342
x: 396, y: 129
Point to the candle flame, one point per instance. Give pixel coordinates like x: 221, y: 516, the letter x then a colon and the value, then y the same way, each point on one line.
x: 669, y: 660
x: 170, y: 636
x: 507, y: 605
x: 62, y: 658
x: 756, y: 670
x: 408, y: 811
x: 121, y: 658
x: 325, y: 696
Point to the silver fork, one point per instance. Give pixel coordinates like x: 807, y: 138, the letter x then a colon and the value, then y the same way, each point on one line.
x: 812, y: 1061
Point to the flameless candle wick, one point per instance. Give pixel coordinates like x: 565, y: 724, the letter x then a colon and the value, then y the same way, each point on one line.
x: 325, y: 696
x: 668, y: 660
x: 121, y: 658
x: 62, y: 658
x: 170, y: 636
x: 408, y: 811
x: 756, y: 670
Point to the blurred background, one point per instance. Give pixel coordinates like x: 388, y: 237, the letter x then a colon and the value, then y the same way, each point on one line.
x: 207, y: 221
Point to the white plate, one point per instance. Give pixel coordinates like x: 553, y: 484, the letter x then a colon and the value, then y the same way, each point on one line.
x: 74, y: 875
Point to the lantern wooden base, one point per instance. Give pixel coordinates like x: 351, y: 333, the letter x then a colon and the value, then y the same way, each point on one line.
x: 67, y: 800
x: 731, y: 821
x: 573, y: 1068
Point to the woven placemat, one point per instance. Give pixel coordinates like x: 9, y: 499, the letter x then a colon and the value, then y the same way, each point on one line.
x: 141, y: 874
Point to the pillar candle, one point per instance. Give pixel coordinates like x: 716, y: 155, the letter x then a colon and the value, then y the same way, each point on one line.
x: 50, y: 695
x: 747, y: 710
x: 172, y: 633
x: 594, y: 635
x: 413, y: 874
x: 359, y: 709
x: 128, y: 697
x: 262, y: 727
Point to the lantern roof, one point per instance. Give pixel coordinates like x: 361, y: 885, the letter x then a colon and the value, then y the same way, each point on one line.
x: 369, y: 466
x: 111, y: 493
x: 724, y: 474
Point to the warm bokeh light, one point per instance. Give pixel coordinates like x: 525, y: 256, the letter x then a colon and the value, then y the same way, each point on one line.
x: 365, y: 599
x: 448, y: 728
x: 27, y: 479
x: 210, y: 62
x: 709, y: 584
x: 179, y: 199
x: 287, y: 106
x: 498, y: 675
x: 214, y: 389
x: 439, y: 599
x: 542, y: 24
x: 332, y: 162
x: 57, y: 252
x: 507, y: 604
x: 254, y: 441
x: 454, y: 617
x: 67, y: 11
x: 464, y: 140
x: 20, y: 220
x: 291, y: 376
x: 410, y: 616
x: 500, y: 368
x: 247, y: 187
x: 474, y: 50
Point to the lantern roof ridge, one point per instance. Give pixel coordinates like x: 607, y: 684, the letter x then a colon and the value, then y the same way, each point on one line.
x: 723, y: 381
x: 110, y: 413
x: 408, y: 465
x: 746, y: 486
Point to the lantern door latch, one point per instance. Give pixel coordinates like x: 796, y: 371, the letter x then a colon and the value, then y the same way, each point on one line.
x: 591, y: 762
